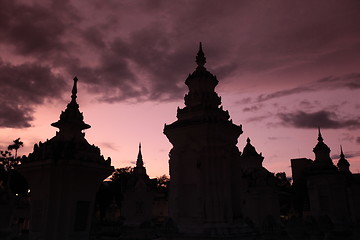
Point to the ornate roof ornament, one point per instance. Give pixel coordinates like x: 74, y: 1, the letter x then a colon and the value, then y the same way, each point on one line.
x: 74, y: 90
x: 69, y: 144
x: 341, y: 152
x: 200, y: 57
x: 321, y: 146
x: 139, y: 161
x: 322, y: 155
x: 249, y: 150
x: 71, y: 121
x: 320, y: 139
x: 343, y: 164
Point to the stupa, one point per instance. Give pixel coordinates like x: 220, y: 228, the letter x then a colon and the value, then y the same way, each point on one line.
x: 64, y: 174
x: 202, y: 159
x: 327, y: 187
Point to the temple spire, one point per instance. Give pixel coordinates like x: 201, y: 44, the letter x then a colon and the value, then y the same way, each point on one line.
x: 343, y: 164
x: 71, y: 121
x: 320, y: 138
x: 139, y: 161
x: 250, y: 158
x: 139, y: 169
x: 200, y: 57
x: 323, y: 160
x: 74, y: 90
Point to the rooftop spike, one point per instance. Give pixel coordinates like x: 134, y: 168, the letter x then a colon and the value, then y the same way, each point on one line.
x: 248, y: 140
x: 320, y: 139
x: 71, y: 121
x: 343, y: 164
x: 139, y: 162
x: 74, y: 89
x: 200, y: 57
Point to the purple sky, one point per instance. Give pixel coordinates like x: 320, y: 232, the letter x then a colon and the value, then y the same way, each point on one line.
x: 285, y: 67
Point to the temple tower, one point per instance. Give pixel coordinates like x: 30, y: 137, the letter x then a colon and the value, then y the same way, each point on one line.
x: 343, y: 164
x: 64, y: 174
x: 250, y: 159
x: 322, y: 161
x: 139, y: 169
x: 137, y: 206
x: 203, y: 155
x: 327, y: 187
x: 256, y: 189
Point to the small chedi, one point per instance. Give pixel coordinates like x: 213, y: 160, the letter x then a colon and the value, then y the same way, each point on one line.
x: 139, y: 196
x: 209, y: 176
x: 64, y: 174
x: 328, y: 193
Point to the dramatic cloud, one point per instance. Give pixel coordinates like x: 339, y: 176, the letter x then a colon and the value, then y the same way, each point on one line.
x: 348, y: 155
x: 36, y: 30
x: 358, y: 140
x: 252, y: 108
x: 14, y: 116
x: 350, y: 81
x: 283, y: 93
x: 22, y: 88
x: 323, y: 119
x: 258, y: 118
x: 143, y: 50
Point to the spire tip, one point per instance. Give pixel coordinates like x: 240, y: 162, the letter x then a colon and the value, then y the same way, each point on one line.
x: 341, y: 152
x: 200, y: 58
x: 74, y: 89
x: 320, y: 138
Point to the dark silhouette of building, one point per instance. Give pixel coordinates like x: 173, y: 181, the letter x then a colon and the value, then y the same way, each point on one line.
x: 327, y: 191
x: 343, y: 164
x: 205, y: 164
x: 64, y: 174
x: 139, y: 197
x: 256, y: 188
x: 216, y: 191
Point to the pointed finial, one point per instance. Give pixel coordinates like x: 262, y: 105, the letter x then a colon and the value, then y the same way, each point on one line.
x: 139, y: 162
x: 74, y: 89
x: 341, y: 152
x: 320, y: 139
x: 248, y: 140
x: 200, y: 58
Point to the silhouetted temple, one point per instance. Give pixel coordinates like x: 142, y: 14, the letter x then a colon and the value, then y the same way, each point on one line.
x: 64, y: 174
x: 139, y: 196
x: 216, y: 191
x: 205, y: 164
x: 329, y: 192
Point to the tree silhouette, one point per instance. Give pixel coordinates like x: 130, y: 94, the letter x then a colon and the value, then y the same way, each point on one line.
x: 113, y: 190
x: 6, y: 160
x: 162, y: 182
x: 119, y: 181
x: 15, y: 146
x: 13, y: 179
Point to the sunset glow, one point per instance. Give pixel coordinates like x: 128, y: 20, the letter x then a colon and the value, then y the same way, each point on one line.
x: 285, y: 68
